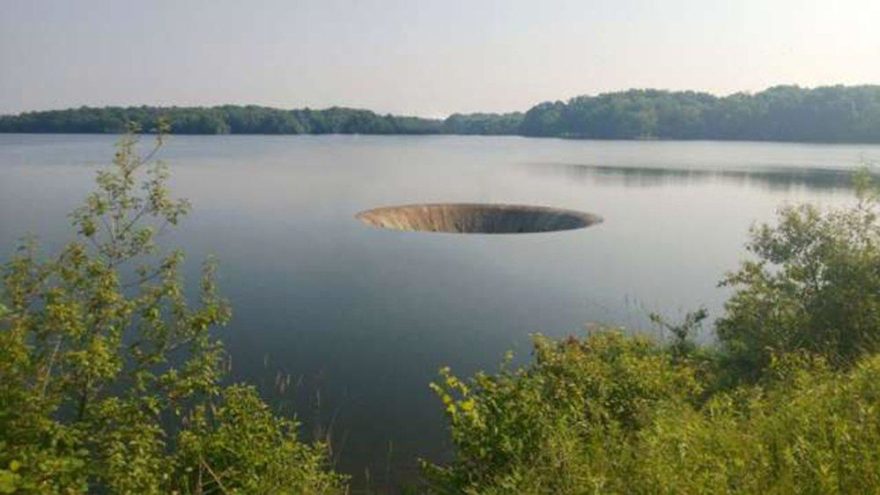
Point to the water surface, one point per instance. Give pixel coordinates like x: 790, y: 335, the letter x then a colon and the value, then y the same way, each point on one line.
x: 362, y: 318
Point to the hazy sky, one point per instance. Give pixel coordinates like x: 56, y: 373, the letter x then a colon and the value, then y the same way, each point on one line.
x: 426, y: 58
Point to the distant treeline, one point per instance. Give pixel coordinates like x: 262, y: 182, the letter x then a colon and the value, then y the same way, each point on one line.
x: 782, y: 113
x: 227, y: 119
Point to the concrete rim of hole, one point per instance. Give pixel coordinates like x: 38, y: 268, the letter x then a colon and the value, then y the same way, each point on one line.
x: 477, y: 218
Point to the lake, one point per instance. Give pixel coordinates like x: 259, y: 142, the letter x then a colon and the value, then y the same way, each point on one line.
x: 361, y: 318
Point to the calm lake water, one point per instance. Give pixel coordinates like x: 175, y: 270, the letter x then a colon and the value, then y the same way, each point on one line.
x: 361, y: 319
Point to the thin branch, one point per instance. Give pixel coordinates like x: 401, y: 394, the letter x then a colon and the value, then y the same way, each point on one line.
x: 213, y: 474
x: 152, y: 276
x: 50, y: 365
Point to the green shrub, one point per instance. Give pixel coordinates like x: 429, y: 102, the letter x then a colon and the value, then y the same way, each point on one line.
x: 813, y: 432
x: 239, y: 446
x: 788, y: 403
x: 615, y: 414
x: 814, y: 286
x: 109, y: 377
x: 561, y: 424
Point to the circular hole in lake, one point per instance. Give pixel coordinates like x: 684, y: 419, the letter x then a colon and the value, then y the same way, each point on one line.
x: 476, y: 218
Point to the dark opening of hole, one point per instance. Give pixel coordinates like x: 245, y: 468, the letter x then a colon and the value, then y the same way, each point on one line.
x: 465, y: 218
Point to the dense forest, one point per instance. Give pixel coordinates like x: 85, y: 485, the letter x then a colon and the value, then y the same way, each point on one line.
x: 782, y: 113
x: 227, y: 119
x: 232, y: 119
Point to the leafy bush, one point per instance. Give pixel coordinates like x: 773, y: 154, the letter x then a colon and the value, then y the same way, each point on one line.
x: 789, y: 402
x: 109, y: 378
x: 240, y: 446
x: 815, y: 286
x: 813, y: 432
x: 616, y: 414
x: 562, y: 423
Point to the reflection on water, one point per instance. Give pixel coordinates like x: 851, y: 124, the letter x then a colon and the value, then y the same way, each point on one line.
x: 361, y: 319
x: 772, y: 178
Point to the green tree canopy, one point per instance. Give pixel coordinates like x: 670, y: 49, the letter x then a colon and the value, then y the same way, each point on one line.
x: 782, y: 113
